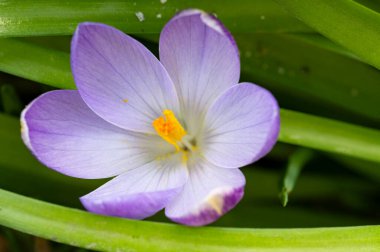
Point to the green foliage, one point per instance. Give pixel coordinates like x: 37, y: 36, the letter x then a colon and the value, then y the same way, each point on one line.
x: 91, y: 231
x: 31, y: 18
x: 349, y: 23
x: 296, y: 163
x: 322, y: 69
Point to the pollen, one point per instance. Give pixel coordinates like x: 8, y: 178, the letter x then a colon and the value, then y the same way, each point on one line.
x: 169, y: 128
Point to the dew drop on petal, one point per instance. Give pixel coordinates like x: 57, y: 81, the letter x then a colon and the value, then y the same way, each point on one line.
x: 140, y: 16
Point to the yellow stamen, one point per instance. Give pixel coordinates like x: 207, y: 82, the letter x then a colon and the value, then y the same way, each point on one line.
x: 168, y: 127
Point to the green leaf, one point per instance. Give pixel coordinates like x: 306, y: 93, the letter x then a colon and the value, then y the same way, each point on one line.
x: 348, y: 23
x: 97, y: 232
x: 296, y: 163
x: 36, y: 63
x: 54, y: 17
x: 329, y: 135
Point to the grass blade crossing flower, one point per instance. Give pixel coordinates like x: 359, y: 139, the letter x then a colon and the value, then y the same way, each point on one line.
x: 174, y: 132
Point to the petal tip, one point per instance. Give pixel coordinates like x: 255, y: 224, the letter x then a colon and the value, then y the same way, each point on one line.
x: 25, y: 128
x: 218, y: 203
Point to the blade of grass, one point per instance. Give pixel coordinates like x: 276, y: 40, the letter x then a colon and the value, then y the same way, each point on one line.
x: 114, y: 234
x: 329, y: 135
x: 348, y: 23
x: 296, y: 163
x: 46, y: 66
x: 31, y: 18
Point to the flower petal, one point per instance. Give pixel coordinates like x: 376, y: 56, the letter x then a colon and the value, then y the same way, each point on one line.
x: 241, y: 126
x: 67, y: 136
x: 202, y: 60
x: 141, y: 192
x: 209, y: 193
x: 119, y: 79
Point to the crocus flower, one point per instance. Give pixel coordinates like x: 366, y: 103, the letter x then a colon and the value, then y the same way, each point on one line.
x: 174, y: 132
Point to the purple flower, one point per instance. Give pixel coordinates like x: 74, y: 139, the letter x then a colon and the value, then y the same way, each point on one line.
x: 174, y: 131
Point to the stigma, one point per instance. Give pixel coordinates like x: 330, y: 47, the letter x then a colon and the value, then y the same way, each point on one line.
x: 170, y: 129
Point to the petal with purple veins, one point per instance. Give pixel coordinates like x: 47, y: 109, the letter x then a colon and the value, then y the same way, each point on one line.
x: 67, y: 136
x: 141, y: 192
x: 210, y: 192
x: 119, y: 79
x: 241, y: 126
x: 202, y: 60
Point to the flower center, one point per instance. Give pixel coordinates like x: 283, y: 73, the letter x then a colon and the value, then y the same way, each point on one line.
x: 171, y: 130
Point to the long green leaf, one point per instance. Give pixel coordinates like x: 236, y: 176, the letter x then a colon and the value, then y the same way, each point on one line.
x: 329, y: 135
x: 91, y: 231
x: 27, y: 18
x: 36, y: 63
x: 348, y: 23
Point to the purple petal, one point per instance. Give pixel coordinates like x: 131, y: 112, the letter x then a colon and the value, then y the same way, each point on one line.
x: 67, y: 136
x: 241, y: 126
x: 141, y: 192
x: 202, y: 60
x: 119, y: 79
x: 209, y: 193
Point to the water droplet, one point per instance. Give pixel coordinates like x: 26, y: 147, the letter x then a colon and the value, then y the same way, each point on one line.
x: 159, y: 15
x: 262, y: 17
x: 140, y: 16
x: 281, y: 70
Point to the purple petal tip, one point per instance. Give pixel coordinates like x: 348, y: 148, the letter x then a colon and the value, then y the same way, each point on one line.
x: 215, y: 207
